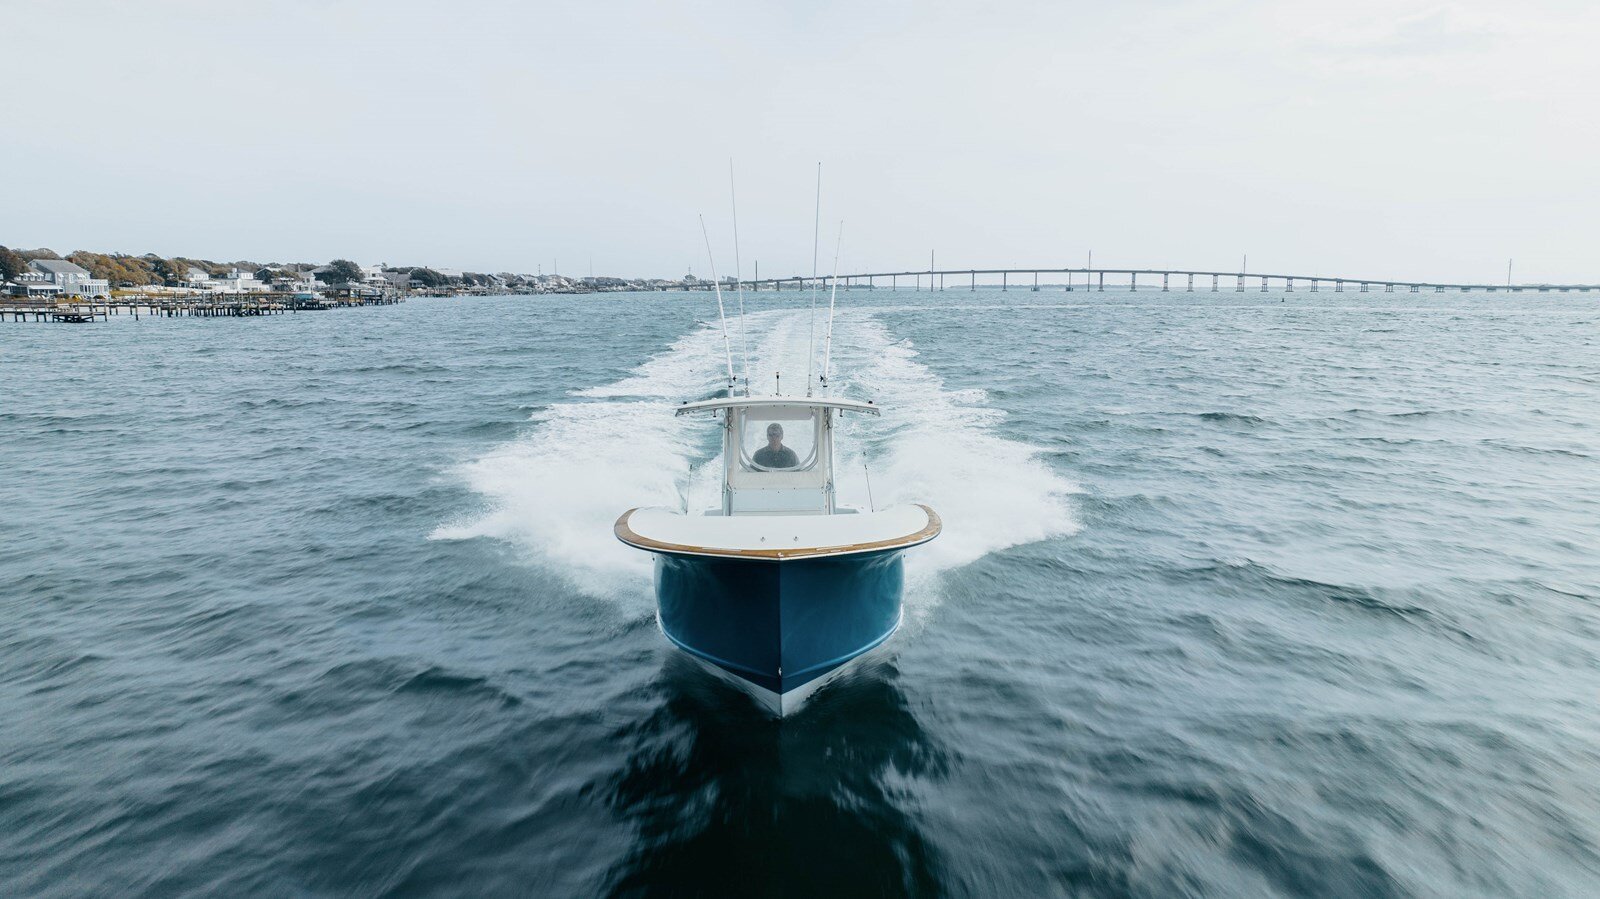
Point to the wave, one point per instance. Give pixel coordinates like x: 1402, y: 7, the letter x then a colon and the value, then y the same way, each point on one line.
x: 556, y: 490
x: 1231, y: 418
x: 1252, y: 576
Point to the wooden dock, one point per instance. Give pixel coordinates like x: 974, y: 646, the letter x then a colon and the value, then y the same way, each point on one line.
x: 85, y: 311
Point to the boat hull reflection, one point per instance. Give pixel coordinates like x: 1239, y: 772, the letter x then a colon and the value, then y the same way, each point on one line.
x: 726, y: 800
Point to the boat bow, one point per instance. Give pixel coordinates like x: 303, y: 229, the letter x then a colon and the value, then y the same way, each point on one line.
x: 779, y: 537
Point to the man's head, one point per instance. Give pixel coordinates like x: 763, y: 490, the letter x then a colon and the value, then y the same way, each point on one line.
x: 774, y: 435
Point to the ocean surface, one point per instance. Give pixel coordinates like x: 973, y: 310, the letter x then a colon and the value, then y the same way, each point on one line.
x: 1239, y: 595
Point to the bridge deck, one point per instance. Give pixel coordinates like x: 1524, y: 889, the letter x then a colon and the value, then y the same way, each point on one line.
x: 1235, y: 280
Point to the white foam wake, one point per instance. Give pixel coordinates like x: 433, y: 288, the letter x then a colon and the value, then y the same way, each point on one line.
x: 557, y: 489
x: 940, y: 447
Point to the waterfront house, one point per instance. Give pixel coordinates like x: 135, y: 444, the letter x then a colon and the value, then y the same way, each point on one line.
x: 198, y: 278
x: 32, y: 285
x: 400, y: 280
x: 375, y: 276
x: 72, y: 279
x: 239, y: 281
x: 305, y: 280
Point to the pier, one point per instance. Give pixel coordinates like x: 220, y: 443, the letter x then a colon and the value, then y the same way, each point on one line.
x: 1135, y: 279
x: 79, y: 311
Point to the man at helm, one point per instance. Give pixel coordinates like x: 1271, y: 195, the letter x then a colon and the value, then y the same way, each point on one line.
x: 775, y: 454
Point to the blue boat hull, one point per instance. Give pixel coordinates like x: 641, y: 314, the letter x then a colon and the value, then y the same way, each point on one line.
x: 780, y: 627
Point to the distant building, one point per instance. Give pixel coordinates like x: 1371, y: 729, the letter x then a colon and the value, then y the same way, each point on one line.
x: 282, y: 282
x: 72, y: 279
x: 306, y: 283
x: 239, y: 281
x: 399, y: 280
x: 35, y: 286
x: 375, y: 275
x: 197, y: 278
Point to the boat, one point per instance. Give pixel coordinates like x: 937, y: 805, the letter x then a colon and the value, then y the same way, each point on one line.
x: 779, y: 588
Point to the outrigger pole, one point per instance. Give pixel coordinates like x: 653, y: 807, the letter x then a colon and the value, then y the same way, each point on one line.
x: 827, y: 340
x: 744, y: 339
x: 727, y: 348
x: 811, y: 345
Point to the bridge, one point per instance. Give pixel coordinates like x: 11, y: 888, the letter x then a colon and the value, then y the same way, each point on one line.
x: 1094, y: 279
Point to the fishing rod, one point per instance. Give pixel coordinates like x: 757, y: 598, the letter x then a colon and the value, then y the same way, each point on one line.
x: 827, y: 340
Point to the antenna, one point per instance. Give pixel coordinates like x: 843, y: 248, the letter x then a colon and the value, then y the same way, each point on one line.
x: 727, y: 350
x: 827, y: 340
x: 816, y: 232
x: 744, y: 339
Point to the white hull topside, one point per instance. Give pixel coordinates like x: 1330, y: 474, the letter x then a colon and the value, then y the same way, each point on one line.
x: 778, y: 537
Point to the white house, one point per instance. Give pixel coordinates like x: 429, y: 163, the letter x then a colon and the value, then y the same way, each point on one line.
x: 72, y: 279
x: 197, y: 278
x: 239, y: 281
x: 305, y: 281
x: 374, y: 275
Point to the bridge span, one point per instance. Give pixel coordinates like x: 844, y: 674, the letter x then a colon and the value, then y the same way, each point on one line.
x: 1094, y: 279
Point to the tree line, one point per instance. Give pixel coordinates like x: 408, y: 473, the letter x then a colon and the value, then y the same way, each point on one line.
x: 124, y: 270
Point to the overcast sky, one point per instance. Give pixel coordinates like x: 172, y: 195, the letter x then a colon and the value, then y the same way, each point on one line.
x: 1379, y: 138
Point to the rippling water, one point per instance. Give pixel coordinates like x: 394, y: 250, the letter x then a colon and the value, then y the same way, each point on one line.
x: 1240, y: 594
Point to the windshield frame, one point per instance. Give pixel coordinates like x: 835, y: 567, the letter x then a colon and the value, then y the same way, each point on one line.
x: 806, y: 463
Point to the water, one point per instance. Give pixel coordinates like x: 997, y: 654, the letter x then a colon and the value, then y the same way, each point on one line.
x: 1240, y: 595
